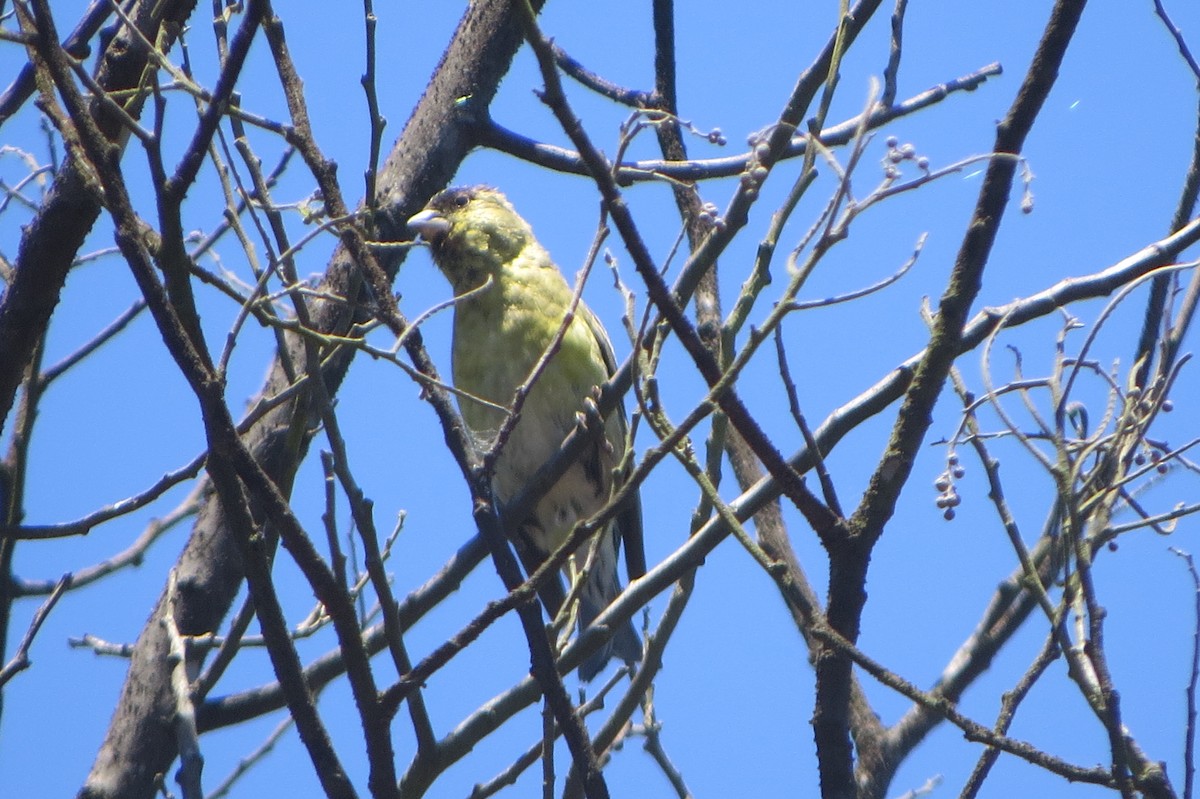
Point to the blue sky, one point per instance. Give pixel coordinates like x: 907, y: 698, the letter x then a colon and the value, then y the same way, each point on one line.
x: 734, y: 698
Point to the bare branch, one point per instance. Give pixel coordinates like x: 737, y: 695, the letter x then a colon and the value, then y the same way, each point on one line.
x: 20, y: 659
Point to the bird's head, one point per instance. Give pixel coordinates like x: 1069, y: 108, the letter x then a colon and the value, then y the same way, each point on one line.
x: 473, y: 231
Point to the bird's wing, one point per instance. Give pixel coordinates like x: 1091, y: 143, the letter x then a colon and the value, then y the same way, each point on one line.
x: 629, y: 518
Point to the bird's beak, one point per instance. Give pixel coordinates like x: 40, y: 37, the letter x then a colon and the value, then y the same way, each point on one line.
x: 429, y: 223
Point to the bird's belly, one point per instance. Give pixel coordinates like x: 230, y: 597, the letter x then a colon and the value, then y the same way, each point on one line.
x: 572, y: 498
x: 546, y: 416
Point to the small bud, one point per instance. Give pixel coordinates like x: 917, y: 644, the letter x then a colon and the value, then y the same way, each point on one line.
x: 1168, y: 406
x: 923, y: 164
x: 958, y: 472
x: 895, y: 156
x: 891, y: 142
x: 952, y: 459
x: 908, y: 151
x: 761, y: 151
x: 949, y: 514
x: 759, y: 173
x: 942, y: 483
x: 942, y: 501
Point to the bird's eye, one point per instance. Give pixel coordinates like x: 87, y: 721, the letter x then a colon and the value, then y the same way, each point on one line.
x: 461, y: 201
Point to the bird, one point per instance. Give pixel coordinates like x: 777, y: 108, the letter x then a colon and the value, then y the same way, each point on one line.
x: 511, y: 300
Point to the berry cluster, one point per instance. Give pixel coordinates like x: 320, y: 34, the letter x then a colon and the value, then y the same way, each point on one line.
x: 948, y: 498
x: 899, y: 153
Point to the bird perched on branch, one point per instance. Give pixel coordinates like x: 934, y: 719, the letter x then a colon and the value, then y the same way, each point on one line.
x: 513, y: 301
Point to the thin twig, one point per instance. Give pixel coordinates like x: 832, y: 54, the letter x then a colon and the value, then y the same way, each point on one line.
x: 1177, y: 35
x: 20, y: 659
x: 248, y: 762
x: 1189, y: 741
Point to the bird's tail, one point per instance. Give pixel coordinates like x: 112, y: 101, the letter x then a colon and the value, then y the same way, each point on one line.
x: 602, y: 587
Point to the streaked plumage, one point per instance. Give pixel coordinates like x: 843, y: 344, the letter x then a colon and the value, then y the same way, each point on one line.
x: 499, y: 335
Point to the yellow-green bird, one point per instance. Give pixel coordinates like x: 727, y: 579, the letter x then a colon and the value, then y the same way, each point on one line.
x: 500, y: 333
